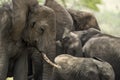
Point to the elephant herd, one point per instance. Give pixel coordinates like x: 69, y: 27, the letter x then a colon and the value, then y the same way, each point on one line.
x: 50, y: 42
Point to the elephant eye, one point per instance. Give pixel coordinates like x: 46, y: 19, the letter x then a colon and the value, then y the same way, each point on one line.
x: 33, y: 24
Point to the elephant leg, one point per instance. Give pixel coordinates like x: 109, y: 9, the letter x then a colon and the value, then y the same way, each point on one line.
x: 3, y: 66
x: 21, y: 68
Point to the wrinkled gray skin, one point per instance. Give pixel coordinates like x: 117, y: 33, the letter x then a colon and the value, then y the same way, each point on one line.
x: 71, y: 44
x: 13, y: 52
x: 78, y: 68
x: 5, y: 20
x: 41, y: 33
x: 19, y: 16
x: 83, y: 20
x: 63, y: 18
x: 103, y: 46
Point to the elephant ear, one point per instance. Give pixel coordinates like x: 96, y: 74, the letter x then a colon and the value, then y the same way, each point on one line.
x: 19, y: 19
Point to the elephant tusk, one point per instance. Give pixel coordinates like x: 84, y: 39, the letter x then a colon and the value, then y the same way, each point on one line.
x: 48, y: 60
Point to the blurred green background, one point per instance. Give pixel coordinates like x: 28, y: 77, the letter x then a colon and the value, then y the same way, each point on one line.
x: 107, y: 12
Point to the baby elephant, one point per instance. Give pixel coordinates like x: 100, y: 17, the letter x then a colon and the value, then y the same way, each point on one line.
x: 67, y: 67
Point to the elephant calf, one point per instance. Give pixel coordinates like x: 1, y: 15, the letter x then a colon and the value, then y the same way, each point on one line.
x: 72, y: 45
x: 68, y: 67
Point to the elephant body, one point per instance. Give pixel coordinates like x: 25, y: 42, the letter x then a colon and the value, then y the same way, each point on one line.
x: 83, y: 20
x: 39, y: 31
x: 13, y: 49
x: 79, y: 68
x: 105, y: 47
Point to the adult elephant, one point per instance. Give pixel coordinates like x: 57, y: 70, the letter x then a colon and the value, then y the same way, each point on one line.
x: 38, y: 34
x: 67, y: 67
x: 11, y: 51
x: 83, y: 20
x: 41, y: 33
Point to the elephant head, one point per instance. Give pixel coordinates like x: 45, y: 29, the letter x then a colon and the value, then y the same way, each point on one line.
x: 40, y: 33
x: 72, y: 44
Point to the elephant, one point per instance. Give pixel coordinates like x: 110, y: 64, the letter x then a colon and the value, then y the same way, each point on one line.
x: 5, y: 24
x: 10, y: 51
x: 63, y: 18
x: 36, y: 34
x: 41, y: 31
x: 101, y: 45
x: 83, y: 20
x: 68, y: 67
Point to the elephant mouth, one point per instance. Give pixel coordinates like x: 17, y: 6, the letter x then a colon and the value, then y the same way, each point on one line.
x: 46, y: 59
